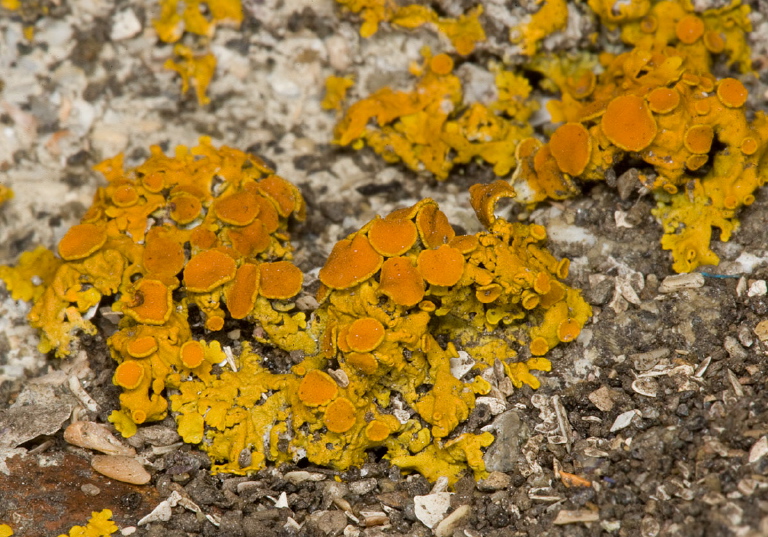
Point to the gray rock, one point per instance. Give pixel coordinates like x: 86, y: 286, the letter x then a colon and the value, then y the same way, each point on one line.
x: 362, y: 487
x: 495, y: 481
x: 232, y: 524
x: 39, y: 410
x: 329, y: 523
x: 511, y: 433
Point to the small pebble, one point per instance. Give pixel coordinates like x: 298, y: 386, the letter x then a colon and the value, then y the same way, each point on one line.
x: 124, y: 25
x: 449, y: 524
x: 300, y: 476
x: 495, y: 481
x: 623, y: 420
x: 121, y: 468
x: 678, y: 282
x: 363, y: 486
x: 758, y: 450
x: 431, y: 509
x: 90, y: 490
x: 571, y: 517
x: 757, y: 288
x: 602, y: 398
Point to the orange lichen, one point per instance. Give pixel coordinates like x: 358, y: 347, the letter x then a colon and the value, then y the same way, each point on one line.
x: 185, y: 208
x: 129, y: 374
x: 377, y: 344
x: 392, y: 236
x: 628, y: 123
x: 689, y: 29
x: 238, y: 209
x: 178, y: 16
x: 340, y: 415
x: 280, y: 280
x: 364, y: 362
x: 131, y: 245
x: 552, y: 16
x: 317, y: 388
x: 150, y: 303
x: 401, y: 281
x: 698, y: 139
x: 81, y: 241
x: 100, y: 524
x: 351, y: 261
x: 488, y: 293
x: 141, y: 347
x: 365, y: 334
x: 539, y: 346
x: 241, y: 295
x: 162, y: 255
x: 443, y: 266
x: 377, y: 431
x: 570, y: 145
x: 660, y: 103
x: 732, y: 93
x: 125, y: 196
x: 336, y: 91
x: 199, y: 17
x: 208, y: 270
x: 34, y: 271
x: 663, y: 100
x: 192, y: 354
x: 285, y: 196
x: 433, y: 226
x: 196, y: 70
x: 568, y: 330
x: 484, y: 199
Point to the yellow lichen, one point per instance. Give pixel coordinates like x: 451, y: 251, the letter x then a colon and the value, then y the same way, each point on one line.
x: 377, y: 327
x: 464, y: 32
x: 6, y: 194
x: 179, y: 16
x: 701, y: 151
x: 199, y: 17
x: 31, y: 275
x: 336, y: 91
x: 99, y: 525
x: 196, y: 70
x: 551, y: 17
x: 118, y: 252
x: 430, y: 130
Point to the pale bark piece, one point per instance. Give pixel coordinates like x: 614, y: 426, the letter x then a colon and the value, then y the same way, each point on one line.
x: 92, y: 435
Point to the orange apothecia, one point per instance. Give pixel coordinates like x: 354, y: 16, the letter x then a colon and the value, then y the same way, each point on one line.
x: 388, y: 293
x: 384, y: 301
x: 699, y: 151
x: 201, y: 251
x: 658, y: 104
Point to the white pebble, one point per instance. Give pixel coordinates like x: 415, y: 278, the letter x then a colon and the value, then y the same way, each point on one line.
x: 431, y: 509
x: 623, y: 420
x: 759, y: 449
x: 678, y: 282
x: 124, y: 25
x: 758, y: 288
